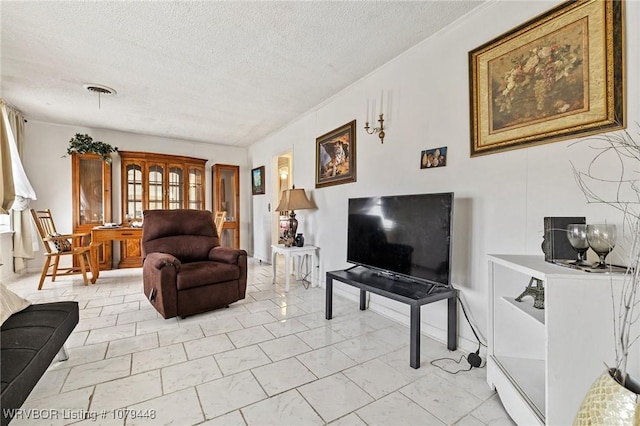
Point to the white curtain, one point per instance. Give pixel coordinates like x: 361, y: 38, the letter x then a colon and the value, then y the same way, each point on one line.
x: 24, y: 238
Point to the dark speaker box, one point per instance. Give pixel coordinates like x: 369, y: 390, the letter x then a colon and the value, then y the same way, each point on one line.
x: 556, y: 245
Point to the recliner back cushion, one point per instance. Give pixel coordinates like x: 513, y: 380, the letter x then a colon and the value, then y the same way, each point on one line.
x: 186, y: 234
x: 187, y: 248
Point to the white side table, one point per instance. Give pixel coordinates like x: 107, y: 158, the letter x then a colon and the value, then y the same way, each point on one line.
x: 294, y: 252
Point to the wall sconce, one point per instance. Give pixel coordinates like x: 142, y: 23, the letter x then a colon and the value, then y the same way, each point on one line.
x: 378, y: 130
x: 373, y: 130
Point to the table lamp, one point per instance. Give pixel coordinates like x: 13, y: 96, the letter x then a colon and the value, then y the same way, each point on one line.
x: 293, y: 199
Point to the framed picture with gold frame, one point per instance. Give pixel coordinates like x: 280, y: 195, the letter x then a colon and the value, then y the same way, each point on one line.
x: 336, y: 156
x: 557, y: 76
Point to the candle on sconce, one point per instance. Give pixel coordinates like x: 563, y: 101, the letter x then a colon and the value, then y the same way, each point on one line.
x: 367, y: 116
x: 381, y: 98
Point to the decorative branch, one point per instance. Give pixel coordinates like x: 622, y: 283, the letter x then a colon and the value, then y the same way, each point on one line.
x: 625, y: 197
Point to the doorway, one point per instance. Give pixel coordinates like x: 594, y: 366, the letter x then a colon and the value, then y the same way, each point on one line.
x: 282, y: 179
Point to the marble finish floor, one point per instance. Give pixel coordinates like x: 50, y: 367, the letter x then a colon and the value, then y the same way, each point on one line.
x: 270, y: 359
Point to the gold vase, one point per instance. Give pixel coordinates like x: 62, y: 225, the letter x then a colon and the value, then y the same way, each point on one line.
x: 608, y: 403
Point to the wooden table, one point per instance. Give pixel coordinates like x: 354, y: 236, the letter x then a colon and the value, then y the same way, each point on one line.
x: 101, y: 235
x: 294, y: 252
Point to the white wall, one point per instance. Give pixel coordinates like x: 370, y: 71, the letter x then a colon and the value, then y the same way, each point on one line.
x: 501, y: 199
x: 50, y: 172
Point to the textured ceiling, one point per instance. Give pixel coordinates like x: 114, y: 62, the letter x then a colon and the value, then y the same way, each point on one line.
x: 224, y: 72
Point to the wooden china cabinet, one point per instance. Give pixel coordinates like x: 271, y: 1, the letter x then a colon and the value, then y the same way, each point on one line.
x: 91, y: 196
x: 226, y: 197
x: 157, y: 181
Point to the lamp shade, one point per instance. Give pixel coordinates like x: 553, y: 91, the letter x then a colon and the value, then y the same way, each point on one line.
x: 294, y: 199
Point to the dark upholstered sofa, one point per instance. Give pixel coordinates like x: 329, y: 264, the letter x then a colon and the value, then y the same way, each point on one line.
x: 29, y: 341
x: 185, y: 270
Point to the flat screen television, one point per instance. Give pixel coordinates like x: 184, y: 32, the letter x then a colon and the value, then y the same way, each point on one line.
x: 404, y: 236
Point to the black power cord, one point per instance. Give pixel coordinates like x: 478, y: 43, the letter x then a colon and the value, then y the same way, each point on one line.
x: 474, y: 359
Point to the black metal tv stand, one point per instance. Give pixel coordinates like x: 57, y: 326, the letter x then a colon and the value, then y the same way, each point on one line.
x: 413, y: 294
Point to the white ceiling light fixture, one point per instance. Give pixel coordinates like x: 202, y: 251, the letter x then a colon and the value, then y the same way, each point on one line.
x: 100, y: 90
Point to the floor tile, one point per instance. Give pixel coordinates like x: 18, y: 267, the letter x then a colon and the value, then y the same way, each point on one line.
x: 178, y: 408
x: 326, y: 361
x: 447, y: 402
x: 49, y: 384
x: 111, y: 333
x: 81, y: 355
x: 229, y: 393
x: 120, y: 308
x: 261, y: 305
x: 149, y: 326
x: 181, y: 334
x: 237, y: 360
x: 397, y: 409
x: 73, y: 402
x: 249, y: 336
x: 284, y: 347
x: 126, y: 391
x: 257, y: 318
x: 491, y: 412
x: 234, y: 418
x: 364, y: 348
x: 377, y: 378
x: 287, y: 311
x: 157, y: 358
x: 321, y: 337
x: 283, y: 375
x: 190, y: 373
x: 208, y: 346
x: 285, y: 327
x: 96, y: 322
x: 288, y: 408
x: 97, y: 372
x: 132, y: 344
x: 334, y: 396
x: 218, y: 326
x: 135, y: 316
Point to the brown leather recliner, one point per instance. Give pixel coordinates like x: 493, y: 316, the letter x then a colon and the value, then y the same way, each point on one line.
x: 185, y: 270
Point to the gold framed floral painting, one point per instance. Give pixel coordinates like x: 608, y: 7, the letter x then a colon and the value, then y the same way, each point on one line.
x: 555, y: 77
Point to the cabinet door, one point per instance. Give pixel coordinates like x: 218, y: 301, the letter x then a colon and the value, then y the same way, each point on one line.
x: 132, y: 191
x: 156, y: 186
x: 175, y: 187
x: 195, y: 188
x: 226, y: 197
x: 91, y: 195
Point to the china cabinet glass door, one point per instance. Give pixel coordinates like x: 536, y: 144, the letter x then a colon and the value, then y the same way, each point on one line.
x: 91, y: 197
x: 196, y: 188
x: 226, y: 197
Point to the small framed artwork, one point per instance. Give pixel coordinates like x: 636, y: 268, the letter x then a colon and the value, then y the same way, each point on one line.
x: 336, y: 156
x: 436, y: 157
x: 557, y: 76
x: 257, y: 180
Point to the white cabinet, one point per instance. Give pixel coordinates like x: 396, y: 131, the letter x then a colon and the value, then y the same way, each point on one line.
x: 542, y: 361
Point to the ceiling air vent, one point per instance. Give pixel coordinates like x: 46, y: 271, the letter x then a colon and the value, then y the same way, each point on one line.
x: 100, y: 90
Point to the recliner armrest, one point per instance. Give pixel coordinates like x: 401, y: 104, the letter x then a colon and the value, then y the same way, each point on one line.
x: 158, y: 260
x: 226, y: 255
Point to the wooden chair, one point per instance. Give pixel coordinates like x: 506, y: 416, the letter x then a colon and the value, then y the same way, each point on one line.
x: 218, y: 221
x: 56, y: 245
